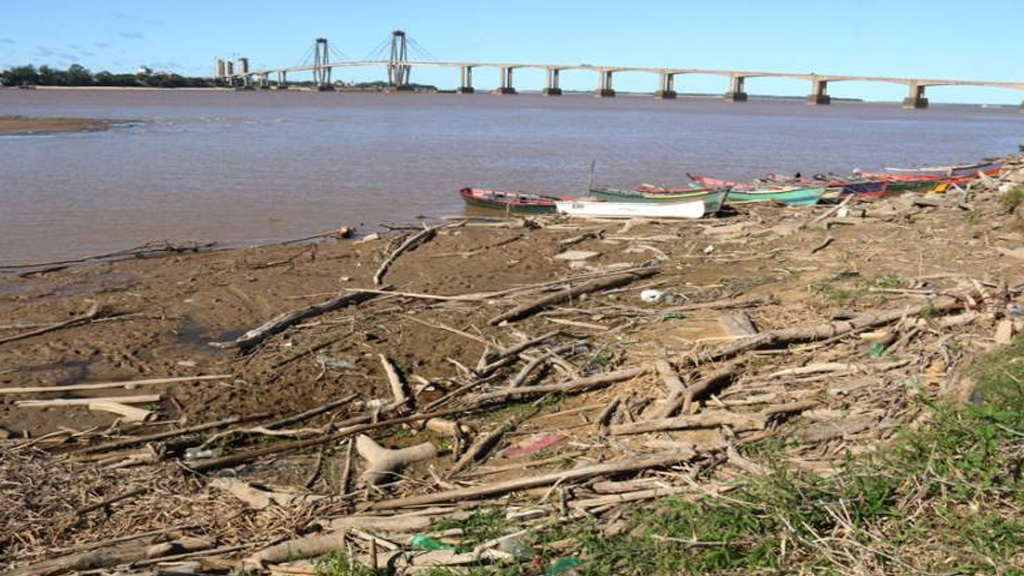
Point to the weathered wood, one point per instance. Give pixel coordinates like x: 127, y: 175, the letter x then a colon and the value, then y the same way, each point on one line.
x: 92, y: 313
x: 483, y: 446
x: 253, y: 337
x: 462, y: 494
x: 128, y: 413
x: 825, y: 330
x: 399, y: 389
x: 135, y: 440
x: 567, y: 294
x: 745, y: 302
x: 129, y: 384
x: 735, y: 420
x: 61, y: 402
x: 532, y: 365
x: 410, y: 243
x: 491, y: 361
x: 577, y: 385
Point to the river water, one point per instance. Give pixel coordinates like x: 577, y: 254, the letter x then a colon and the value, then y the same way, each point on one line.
x: 249, y: 167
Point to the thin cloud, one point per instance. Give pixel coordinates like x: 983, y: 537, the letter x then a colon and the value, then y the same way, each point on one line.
x: 101, y: 45
x: 167, y: 65
x: 7, y: 41
x: 44, y: 51
x: 131, y: 35
x: 88, y: 53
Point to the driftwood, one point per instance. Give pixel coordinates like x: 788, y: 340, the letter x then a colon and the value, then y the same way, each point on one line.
x: 383, y: 464
x: 717, y: 304
x: 90, y: 560
x: 492, y: 360
x: 567, y: 294
x: 462, y: 494
x: 127, y: 413
x: 128, y: 385
x: 532, y: 365
x: 253, y: 337
x: 399, y: 388
x: 93, y: 313
x: 135, y: 440
x: 410, y: 243
x: 243, y: 457
x: 302, y: 547
x: 735, y: 420
x: 682, y: 400
x: 577, y: 385
x: 483, y: 446
x: 827, y: 330
x: 60, y: 402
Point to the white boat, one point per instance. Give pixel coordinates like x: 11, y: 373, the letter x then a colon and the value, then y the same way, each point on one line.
x: 592, y: 209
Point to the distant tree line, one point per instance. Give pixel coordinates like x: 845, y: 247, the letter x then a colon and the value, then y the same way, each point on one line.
x: 77, y: 75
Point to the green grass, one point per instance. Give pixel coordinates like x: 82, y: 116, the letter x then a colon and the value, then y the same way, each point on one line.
x: 1013, y: 199
x: 944, y: 499
x: 850, y: 289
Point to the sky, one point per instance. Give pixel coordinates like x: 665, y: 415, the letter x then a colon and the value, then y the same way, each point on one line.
x: 979, y: 40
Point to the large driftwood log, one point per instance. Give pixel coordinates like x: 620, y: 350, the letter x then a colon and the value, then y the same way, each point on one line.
x: 824, y: 331
x: 462, y: 494
x: 735, y: 420
x: 567, y: 294
x: 250, y: 339
x: 129, y: 384
x: 577, y: 385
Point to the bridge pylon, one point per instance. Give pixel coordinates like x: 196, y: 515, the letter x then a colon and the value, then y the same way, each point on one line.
x: 322, y: 66
x: 398, y: 70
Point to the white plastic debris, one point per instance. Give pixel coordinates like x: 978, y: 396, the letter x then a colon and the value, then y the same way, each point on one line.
x: 652, y: 296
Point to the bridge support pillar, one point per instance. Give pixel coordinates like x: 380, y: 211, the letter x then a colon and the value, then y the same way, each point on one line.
x: 506, y: 86
x: 736, y: 91
x: 553, y: 88
x: 466, y: 80
x: 819, y: 93
x: 264, y: 81
x: 604, y: 84
x: 915, y: 99
x: 667, y: 87
x: 282, y: 81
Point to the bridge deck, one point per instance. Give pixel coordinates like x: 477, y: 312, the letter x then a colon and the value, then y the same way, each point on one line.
x: 654, y: 70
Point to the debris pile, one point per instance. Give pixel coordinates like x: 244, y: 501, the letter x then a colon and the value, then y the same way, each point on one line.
x: 653, y: 366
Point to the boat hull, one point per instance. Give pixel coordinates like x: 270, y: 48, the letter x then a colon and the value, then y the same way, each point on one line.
x: 790, y: 197
x: 508, y: 201
x: 596, y: 209
x: 712, y: 199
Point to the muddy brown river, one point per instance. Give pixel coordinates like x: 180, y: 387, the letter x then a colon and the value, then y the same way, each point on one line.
x: 244, y: 168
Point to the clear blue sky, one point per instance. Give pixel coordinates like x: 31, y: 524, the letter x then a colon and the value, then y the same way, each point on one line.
x: 982, y: 39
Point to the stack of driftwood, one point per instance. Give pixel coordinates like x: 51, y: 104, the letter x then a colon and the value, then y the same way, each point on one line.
x: 546, y: 428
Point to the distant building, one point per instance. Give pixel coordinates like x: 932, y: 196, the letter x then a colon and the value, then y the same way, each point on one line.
x: 144, y: 71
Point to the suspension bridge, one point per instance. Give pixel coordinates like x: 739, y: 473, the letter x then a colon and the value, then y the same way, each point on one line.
x: 399, y: 54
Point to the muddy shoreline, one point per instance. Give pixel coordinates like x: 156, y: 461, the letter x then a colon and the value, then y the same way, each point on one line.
x: 763, y: 268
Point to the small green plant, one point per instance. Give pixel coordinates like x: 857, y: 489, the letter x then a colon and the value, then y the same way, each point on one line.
x: 337, y: 563
x: 1013, y: 199
x: 972, y: 217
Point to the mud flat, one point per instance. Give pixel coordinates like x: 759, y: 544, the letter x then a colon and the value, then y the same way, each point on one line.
x: 349, y: 394
x: 32, y: 125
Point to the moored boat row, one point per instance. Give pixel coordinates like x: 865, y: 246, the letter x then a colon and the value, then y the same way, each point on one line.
x: 703, y: 195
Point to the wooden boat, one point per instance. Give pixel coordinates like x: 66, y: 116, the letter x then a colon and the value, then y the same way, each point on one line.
x: 874, y: 188
x: 896, y: 182
x: 597, y: 209
x: 987, y: 167
x: 713, y: 198
x: 792, y: 195
x: 509, y: 201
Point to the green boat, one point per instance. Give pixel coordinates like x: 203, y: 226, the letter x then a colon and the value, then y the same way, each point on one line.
x: 788, y: 196
x: 713, y: 197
